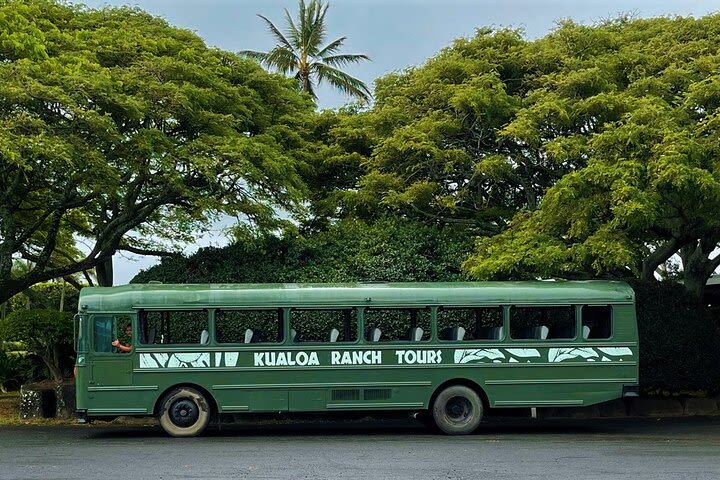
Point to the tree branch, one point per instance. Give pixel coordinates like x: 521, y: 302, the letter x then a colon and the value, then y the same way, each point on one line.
x: 145, y: 251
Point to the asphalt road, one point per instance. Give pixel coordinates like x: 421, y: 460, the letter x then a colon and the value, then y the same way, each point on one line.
x: 687, y: 449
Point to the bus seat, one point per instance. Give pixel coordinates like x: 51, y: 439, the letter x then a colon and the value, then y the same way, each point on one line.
x: 248, y: 335
x: 204, y: 337
x: 497, y: 333
x: 541, y: 332
x: 414, y: 334
x: 586, y: 332
x: 374, y: 335
x: 151, y: 336
x: 334, y: 334
x: 293, y: 335
x: 458, y: 333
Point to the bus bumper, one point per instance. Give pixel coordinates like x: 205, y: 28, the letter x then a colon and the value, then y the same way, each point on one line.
x: 631, y: 391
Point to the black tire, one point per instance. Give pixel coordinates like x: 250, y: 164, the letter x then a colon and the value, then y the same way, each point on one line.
x: 184, y: 412
x: 457, y: 410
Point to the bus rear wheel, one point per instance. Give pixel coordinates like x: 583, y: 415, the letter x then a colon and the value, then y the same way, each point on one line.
x: 457, y: 410
x: 184, y: 412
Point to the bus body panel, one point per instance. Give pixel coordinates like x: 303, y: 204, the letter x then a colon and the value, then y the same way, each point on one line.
x: 307, y: 377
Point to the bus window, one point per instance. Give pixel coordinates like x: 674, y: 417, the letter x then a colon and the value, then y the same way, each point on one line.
x: 320, y: 325
x: 540, y: 323
x: 597, y: 321
x: 470, y: 324
x: 106, y: 329
x: 179, y: 327
x: 249, y: 326
x: 397, y: 324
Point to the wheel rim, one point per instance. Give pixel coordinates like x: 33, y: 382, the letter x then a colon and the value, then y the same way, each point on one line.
x: 458, y: 409
x: 184, y: 413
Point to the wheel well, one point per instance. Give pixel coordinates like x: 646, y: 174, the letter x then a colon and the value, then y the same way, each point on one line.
x: 461, y: 381
x: 205, y: 392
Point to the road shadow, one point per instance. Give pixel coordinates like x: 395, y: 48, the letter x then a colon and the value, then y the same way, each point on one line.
x: 403, y: 427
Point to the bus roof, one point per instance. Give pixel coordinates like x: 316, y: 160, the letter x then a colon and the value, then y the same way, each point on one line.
x: 557, y: 292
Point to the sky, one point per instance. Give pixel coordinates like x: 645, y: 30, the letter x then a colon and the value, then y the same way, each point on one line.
x: 396, y: 34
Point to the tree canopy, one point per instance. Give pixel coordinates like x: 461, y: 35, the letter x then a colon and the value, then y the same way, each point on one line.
x: 117, y: 129
x: 649, y: 184
x: 583, y: 153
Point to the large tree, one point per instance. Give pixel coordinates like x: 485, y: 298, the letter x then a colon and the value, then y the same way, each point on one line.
x: 118, y: 130
x: 301, y: 51
x: 651, y: 186
x: 481, y: 133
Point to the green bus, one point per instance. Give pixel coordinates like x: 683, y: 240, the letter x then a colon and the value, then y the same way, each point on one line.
x: 191, y: 353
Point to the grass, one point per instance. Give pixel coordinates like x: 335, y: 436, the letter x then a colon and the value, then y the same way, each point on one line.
x: 10, y: 416
x: 10, y: 413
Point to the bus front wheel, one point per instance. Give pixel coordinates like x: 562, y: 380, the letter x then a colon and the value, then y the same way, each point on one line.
x: 185, y: 412
x: 457, y: 410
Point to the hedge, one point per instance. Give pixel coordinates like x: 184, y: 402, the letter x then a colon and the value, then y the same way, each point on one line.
x: 679, y: 340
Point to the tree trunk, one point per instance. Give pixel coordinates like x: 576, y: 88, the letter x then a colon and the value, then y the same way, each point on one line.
x: 51, y: 358
x: 62, y: 295
x: 698, y: 266
x: 658, y: 257
x: 104, y: 271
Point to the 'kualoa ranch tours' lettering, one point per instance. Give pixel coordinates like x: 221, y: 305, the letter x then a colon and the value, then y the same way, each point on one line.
x: 345, y: 357
x: 282, y: 359
x: 418, y: 356
x: 356, y: 357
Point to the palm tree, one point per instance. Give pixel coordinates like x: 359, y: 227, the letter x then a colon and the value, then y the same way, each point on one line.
x: 301, y: 53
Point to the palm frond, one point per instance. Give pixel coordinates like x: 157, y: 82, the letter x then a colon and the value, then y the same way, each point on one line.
x: 331, y: 47
x: 341, y: 60
x: 292, y: 31
x: 277, y: 33
x: 282, y: 59
x: 315, y: 27
x: 342, y: 81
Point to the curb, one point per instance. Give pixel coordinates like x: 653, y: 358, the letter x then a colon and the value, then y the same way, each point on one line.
x: 639, y: 407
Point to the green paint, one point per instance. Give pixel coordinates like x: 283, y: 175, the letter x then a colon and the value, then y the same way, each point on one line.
x: 319, y: 376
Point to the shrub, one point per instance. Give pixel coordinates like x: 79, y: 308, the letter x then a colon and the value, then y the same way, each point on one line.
x: 46, y: 296
x: 46, y: 333
x: 18, y: 368
x: 678, y: 340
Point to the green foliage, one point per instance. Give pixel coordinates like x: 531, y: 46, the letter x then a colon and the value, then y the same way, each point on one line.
x: 351, y: 250
x: 348, y: 251
x: 640, y: 131
x: 46, y: 296
x: 46, y: 333
x: 678, y: 340
x: 112, y: 121
x: 18, y: 368
x: 300, y: 51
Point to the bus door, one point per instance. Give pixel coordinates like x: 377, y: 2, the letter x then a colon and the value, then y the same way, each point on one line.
x: 109, y: 366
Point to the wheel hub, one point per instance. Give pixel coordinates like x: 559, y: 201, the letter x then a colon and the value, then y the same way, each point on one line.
x: 458, y: 409
x: 184, y: 413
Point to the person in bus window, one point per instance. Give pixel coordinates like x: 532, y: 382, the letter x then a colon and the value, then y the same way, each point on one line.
x: 124, y: 347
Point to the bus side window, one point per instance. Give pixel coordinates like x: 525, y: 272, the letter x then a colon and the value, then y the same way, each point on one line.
x: 470, y: 324
x: 597, y: 322
x: 541, y: 323
x: 397, y: 324
x: 324, y: 325
x: 249, y: 326
x: 179, y: 327
x: 106, y: 329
